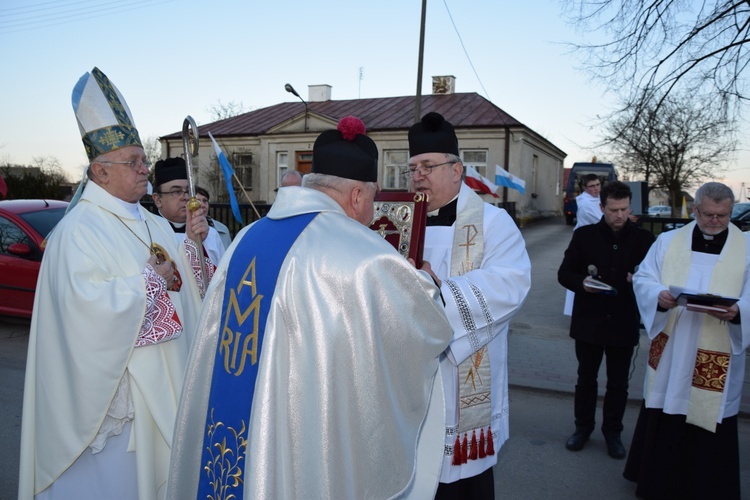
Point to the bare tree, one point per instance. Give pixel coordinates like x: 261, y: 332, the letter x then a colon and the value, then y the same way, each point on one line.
x: 152, y: 148
x: 44, y: 179
x: 672, y: 145
x: 654, y: 48
x: 222, y: 111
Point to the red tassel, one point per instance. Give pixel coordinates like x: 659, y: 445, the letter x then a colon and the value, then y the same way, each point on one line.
x: 457, y: 452
x: 464, y: 449
x: 490, y: 443
x: 473, y: 454
x: 482, y: 452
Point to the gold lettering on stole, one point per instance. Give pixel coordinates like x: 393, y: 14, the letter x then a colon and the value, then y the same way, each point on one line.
x: 471, y: 234
x: 236, y: 346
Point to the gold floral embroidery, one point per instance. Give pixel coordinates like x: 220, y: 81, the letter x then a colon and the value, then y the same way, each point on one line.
x: 224, y: 468
x: 710, y: 370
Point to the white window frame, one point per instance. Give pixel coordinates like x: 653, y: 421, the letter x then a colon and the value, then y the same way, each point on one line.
x: 479, y: 166
x: 395, y: 162
x: 282, y: 165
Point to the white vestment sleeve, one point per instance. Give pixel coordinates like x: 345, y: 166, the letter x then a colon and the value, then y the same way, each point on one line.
x: 647, y: 285
x: 739, y: 335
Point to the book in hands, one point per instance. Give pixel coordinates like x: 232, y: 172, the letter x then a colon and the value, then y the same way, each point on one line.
x: 600, y: 286
x: 400, y: 218
x: 700, y: 300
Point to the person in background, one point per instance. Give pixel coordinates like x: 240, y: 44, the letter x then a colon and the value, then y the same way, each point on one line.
x: 224, y: 234
x: 315, y: 374
x: 589, y: 211
x: 291, y: 178
x: 685, y: 443
x: 604, y: 324
x: 477, y: 256
x: 114, y: 315
x: 171, y: 197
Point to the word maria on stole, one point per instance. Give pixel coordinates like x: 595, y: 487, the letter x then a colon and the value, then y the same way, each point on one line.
x: 226, y: 436
x: 237, y: 344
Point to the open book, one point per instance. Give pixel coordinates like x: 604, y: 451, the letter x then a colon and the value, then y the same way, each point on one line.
x: 700, y: 300
x: 600, y: 286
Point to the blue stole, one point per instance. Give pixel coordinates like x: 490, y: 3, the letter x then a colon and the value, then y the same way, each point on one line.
x: 251, y: 280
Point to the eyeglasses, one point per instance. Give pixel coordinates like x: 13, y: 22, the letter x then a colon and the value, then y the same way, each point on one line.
x: 710, y: 216
x: 132, y: 164
x: 424, y: 170
x: 175, y: 193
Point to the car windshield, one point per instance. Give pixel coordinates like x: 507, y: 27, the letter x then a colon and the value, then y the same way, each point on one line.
x: 44, y: 220
x: 739, y: 209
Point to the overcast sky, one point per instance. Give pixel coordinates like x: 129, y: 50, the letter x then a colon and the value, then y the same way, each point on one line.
x: 174, y: 58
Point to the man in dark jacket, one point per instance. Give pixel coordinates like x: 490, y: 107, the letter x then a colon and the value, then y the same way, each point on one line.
x: 604, y: 321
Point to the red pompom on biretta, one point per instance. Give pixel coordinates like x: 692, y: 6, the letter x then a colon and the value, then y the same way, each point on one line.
x: 350, y: 127
x: 346, y: 152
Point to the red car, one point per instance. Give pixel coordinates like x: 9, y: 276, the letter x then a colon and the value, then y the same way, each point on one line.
x: 24, y: 224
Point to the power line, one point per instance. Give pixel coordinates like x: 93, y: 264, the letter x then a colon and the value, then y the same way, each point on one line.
x: 465, y: 51
x: 16, y: 11
x: 71, y: 15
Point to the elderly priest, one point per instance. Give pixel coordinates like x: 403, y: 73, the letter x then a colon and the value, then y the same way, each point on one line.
x: 315, y: 371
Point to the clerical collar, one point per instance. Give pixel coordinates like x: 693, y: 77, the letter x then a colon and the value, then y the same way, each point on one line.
x: 132, y: 208
x: 706, y: 243
x: 178, y: 227
x: 445, y: 215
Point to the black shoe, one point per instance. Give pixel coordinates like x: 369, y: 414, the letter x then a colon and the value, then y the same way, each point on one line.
x: 577, y: 440
x: 615, y: 447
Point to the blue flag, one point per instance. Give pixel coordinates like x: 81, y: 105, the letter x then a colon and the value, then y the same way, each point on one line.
x: 228, y: 172
x: 506, y: 179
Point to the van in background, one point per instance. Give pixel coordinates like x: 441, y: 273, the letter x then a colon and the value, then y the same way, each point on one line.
x: 573, y: 186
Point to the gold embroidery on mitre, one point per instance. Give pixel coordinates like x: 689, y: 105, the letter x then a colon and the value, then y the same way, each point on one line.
x: 111, y: 137
x: 236, y: 347
x: 711, y: 369
x: 224, y: 467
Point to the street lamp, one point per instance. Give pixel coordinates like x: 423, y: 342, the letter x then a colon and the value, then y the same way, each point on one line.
x: 288, y: 87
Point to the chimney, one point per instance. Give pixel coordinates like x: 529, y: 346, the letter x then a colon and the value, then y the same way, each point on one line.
x: 444, y: 84
x: 318, y: 93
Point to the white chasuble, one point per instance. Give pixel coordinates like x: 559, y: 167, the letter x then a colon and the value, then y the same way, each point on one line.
x: 88, y: 311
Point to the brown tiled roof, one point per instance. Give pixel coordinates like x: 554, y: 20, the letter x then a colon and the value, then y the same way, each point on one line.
x: 466, y: 110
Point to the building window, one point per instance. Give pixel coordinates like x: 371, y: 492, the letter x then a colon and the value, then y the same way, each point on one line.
x: 394, y: 164
x: 282, y: 164
x: 477, y: 159
x: 243, y: 167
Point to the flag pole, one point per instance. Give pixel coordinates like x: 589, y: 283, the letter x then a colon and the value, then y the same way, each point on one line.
x: 245, y: 192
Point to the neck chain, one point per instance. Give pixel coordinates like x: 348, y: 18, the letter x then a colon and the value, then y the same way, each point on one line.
x: 150, y: 246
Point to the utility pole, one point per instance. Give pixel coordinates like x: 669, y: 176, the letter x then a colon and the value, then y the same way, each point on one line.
x: 418, y: 105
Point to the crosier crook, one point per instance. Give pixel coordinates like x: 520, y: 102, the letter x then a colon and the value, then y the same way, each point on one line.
x: 190, y: 145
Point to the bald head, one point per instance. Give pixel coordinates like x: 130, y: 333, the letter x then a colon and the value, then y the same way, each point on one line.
x: 291, y: 178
